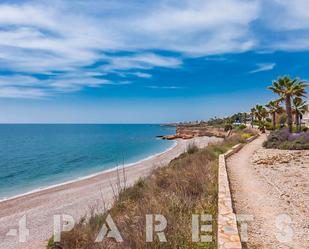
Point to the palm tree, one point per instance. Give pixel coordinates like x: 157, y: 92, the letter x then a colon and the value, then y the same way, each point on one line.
x: 300, y: 107
x: 287, y: 89
x: 252, y: 114
x: 260, y: 113
x: 245, y: 118
x: 274, y: 108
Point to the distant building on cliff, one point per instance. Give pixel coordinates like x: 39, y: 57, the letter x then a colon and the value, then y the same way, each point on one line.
x: 305, y: 120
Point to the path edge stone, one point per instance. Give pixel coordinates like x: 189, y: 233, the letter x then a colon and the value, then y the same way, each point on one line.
x: 228, y: 234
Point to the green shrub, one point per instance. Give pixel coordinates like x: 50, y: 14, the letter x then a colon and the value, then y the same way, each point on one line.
x: 284, y: 140
x: 282, y: 120
x: 268, y: 126
x: 262, y: 126
x: 228, y: 127
x: 246, y: 135
x: 241, y: 127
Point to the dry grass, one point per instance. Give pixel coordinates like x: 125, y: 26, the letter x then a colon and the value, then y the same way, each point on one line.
x: 188, y: 185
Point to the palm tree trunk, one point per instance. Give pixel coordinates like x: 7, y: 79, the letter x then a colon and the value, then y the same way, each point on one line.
x: 274, y: 120
x: 297, y: 121
x: 289, y: 112
x: 252, y: 119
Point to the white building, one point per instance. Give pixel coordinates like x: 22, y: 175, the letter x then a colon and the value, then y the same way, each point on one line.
x: 305, y: 120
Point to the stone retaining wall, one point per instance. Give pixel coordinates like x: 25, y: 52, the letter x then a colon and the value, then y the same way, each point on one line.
x: 228, y: 235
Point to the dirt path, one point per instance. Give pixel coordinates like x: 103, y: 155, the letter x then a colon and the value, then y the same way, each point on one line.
x: 277, y: 222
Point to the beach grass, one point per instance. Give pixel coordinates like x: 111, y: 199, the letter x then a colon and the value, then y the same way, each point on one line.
x: 188, y: 185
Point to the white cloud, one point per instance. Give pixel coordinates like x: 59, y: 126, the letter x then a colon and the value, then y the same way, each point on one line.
x: 197, y: 27
x: 289, y: 15
x: 290, y: 21
x: 142, y: 75
x: 140, y: 61
x: 292, y: 44
x: 11, y: 84
x: 199, y: 15
x: 261, y: 67
x: 26, y: 15
x: 65, y: 34
x: 47, y: 36
x: 18, y: 80
x: 25, y: 93
x: 164, y: 87
x: 75, y: 83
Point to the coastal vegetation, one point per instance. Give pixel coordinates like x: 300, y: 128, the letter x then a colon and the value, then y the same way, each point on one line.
x: 299, y: 109
x: 289, y: 89
x: 260, y: 113
x: 274, y: 109
x: 291, y: 92
x: 283, y: 139
x: 187, y: 185
x: 282, y: 116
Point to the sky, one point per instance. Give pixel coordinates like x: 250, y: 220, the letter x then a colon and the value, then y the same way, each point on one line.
x: 142, y: 61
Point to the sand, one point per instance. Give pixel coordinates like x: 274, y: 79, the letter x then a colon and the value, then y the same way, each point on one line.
x: 75, y: 198
x: 270, y: 184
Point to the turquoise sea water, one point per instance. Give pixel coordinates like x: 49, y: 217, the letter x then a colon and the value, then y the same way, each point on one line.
x: 35, y: 156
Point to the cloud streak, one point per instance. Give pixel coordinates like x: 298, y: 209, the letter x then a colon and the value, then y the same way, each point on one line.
x: 22, y: 93
x: 98, y: 38
x: 261, y: 67
x: 164, y: 87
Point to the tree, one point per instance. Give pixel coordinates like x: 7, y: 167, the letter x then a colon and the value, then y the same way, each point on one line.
x: 274, y: 108
x: 245, y: 118
x: 260, y: 113
x: 252, y: 114
x: 287, y: 89
x: 300, y: 107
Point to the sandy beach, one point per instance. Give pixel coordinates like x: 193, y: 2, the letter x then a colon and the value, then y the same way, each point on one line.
x: 75, y: 198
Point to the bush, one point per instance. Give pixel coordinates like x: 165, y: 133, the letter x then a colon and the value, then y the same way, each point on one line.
x: 246, y: 135
x: 192, y: 148
x: 262, y: 126
x: 269, y: 126
x: 189, y: 184
x: 305, y: 129
x: 241, y: 127
x: 284, y: 140
x: 282, y: 120
x: 228, y: 127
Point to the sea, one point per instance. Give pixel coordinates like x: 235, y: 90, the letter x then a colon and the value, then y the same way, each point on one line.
x: 37, y: 156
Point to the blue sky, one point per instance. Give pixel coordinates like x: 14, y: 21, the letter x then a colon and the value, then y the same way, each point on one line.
x: 145, y: 61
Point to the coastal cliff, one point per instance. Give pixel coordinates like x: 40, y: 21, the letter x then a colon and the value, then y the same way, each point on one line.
x: 191, y: 131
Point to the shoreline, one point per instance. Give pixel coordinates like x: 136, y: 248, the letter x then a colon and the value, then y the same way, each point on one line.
x: 78, y: 198
x: 125, y: 166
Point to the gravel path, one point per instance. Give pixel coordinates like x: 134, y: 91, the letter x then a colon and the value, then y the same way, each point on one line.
x: 272, y: 186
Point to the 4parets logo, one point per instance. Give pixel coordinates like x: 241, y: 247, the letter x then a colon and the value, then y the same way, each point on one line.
x: 156, y: 224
